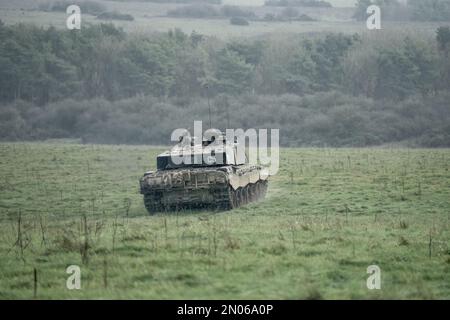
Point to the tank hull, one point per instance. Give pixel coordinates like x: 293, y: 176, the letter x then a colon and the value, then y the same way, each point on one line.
x: 223, y: 188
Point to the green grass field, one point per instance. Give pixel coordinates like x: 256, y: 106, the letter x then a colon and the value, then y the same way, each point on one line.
x: 329, y: 214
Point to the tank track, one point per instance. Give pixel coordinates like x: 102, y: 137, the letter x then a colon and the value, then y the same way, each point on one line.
x: 248, y: 194
x: 225, y: 198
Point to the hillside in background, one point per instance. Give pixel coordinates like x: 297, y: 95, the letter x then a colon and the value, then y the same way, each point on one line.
x: 332, y: 89
x: 107, y: 83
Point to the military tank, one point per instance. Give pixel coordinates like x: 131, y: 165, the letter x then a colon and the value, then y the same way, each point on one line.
x: 213, y: 177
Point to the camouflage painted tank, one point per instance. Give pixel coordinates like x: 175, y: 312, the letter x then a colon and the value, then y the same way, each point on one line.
x: 214, y: 178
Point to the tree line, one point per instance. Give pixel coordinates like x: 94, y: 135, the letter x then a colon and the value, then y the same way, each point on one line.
x: 87, y: 84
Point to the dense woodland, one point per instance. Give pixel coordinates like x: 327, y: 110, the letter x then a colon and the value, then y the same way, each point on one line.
x: 101, y: 84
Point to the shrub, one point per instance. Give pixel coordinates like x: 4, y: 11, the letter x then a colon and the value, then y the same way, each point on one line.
x: 239, y: 21
x: 305, y: 17
x: 91, y: 7
x: 194, y: 11
x: 115, y: 16
x: 12, y: 126
x: 270, y: 17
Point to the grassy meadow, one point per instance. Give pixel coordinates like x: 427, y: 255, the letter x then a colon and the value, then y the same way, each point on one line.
x: 150, y: 17
x: 329, y: 214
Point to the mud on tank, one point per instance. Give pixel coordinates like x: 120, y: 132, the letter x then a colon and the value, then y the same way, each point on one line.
x: 212, y: 175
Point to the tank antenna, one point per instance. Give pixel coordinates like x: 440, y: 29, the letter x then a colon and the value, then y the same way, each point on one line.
x: 209, y: 105
x: 228, y: 112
